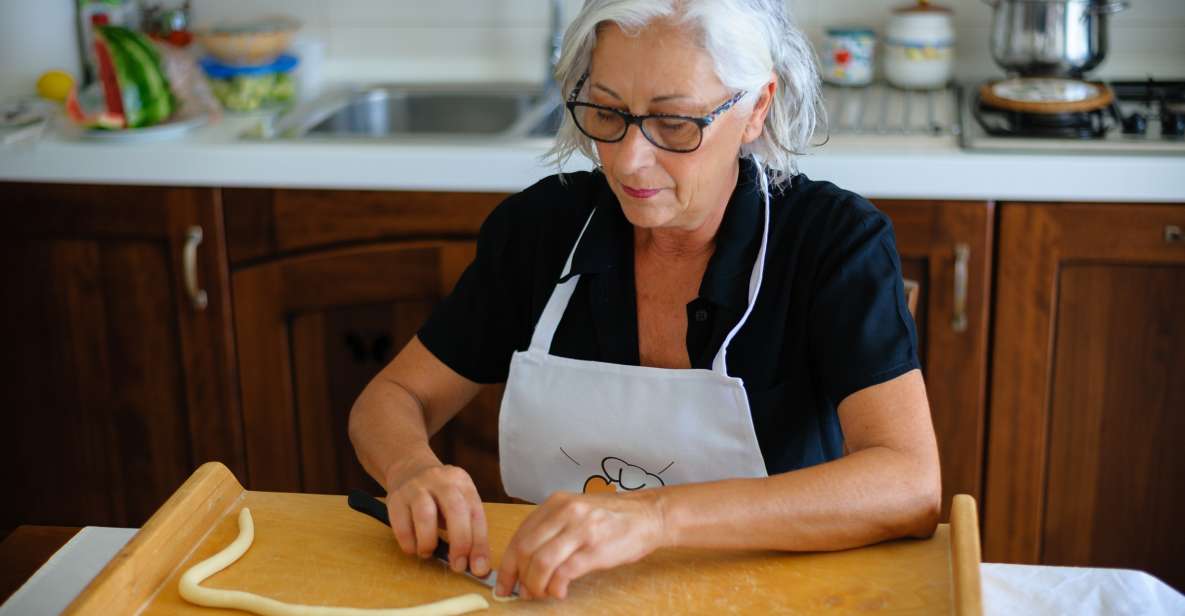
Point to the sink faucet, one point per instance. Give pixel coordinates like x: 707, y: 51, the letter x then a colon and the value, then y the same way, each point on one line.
x: 555, y: 43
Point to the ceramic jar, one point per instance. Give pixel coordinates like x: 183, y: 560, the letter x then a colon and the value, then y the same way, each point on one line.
x: 847, y: 57
x: 919, y: 46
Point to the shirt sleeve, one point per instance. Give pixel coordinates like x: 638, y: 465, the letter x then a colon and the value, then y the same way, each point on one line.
x: 472, y: 330
x: 861, y: 331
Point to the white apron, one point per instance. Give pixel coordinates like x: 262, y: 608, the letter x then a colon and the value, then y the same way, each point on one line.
x: 587, y: 426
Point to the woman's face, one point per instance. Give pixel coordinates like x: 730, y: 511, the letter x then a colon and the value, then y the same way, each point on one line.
x: 662, y: 71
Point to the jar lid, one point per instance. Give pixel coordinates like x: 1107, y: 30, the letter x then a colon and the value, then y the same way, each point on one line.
x: 922, y: 6
x: 218, y: 70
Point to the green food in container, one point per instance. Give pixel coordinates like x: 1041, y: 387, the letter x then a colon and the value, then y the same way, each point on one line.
x: 247, y: 88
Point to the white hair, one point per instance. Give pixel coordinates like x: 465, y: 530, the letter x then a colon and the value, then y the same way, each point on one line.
x: 747, y: 40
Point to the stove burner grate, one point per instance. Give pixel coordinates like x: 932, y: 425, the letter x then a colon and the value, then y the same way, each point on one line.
x: 1092, y: 124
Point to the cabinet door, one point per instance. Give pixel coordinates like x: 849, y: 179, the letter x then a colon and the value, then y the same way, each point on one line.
x: 312, y: 331
x: 1088, y: 389
x: 947, y: 248
x: 116, y: 383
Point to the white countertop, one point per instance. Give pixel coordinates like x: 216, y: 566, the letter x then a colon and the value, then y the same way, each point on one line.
x: 876, y: 166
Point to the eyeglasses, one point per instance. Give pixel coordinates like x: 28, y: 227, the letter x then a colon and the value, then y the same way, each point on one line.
x: 673, y: 133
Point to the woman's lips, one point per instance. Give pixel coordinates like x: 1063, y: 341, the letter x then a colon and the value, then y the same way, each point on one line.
x: 640, y: 193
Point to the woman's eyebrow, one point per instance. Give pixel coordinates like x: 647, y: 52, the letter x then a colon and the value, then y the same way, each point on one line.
x: 657, y: 99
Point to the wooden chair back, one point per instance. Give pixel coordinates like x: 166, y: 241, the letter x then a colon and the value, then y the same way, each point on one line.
x: 911, y: 296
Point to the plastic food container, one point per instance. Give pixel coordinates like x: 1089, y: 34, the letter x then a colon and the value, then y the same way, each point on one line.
x: 847, y: 57
x: 247, y: 88
x: 919, y: 46
x: 248, y: 43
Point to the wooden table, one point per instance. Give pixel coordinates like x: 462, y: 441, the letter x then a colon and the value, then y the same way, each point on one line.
x: 314, y: 549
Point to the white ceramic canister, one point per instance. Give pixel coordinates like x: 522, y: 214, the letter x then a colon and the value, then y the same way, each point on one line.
x: 919, y: 46
x: 847, y: 57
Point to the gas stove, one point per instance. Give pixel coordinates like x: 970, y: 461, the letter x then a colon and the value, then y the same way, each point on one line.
x: 1143, y: 117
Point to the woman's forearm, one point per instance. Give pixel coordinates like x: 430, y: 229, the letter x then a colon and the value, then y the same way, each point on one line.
x: 869, y: 496
x: 388, y: 430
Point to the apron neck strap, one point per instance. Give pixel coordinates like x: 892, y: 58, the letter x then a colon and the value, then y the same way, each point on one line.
x: 720, y: 363
x: 549, y: 321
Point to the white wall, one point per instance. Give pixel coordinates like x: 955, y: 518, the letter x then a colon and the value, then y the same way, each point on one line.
x: 505, y: 39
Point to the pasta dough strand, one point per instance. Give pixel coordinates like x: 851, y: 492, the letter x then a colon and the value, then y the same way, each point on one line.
x: 192, y: 591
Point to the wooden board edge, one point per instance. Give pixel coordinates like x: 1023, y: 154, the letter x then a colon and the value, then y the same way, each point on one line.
x: 137, y: 571
x: 965, y: 556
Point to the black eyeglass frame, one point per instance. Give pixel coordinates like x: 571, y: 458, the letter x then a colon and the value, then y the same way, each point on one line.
x: 630, y: 119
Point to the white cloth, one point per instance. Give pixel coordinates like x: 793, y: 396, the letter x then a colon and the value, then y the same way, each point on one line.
x: 48, y: 591
x: 1080, y: 591
x: 578, y: 425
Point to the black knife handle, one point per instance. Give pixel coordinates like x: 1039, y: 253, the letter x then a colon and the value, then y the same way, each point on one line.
x: 364, y: 503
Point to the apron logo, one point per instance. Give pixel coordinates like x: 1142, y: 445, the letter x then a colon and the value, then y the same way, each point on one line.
x: 622, y: 476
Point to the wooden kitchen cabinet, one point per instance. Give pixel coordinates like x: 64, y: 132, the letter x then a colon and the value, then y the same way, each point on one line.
x: 946, y: 247
x: 116, y: 384
x: 328, y: 286
x: 1084, y: 463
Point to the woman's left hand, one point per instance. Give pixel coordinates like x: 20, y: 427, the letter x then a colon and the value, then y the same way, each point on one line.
x: 570, y: 535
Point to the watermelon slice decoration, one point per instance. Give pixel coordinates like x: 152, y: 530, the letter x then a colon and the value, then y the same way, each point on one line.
x: 135, y: 89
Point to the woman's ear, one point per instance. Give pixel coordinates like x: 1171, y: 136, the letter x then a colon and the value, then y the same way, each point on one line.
x: 756, y: 122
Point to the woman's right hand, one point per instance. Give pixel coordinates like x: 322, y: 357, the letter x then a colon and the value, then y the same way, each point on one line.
x: 420, y: 495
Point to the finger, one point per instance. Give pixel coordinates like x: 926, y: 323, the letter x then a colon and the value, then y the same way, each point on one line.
x: 507, y: 574
x: 401, y: 525
x: 423, y: 514
x: 540, y: 526
x: 456, y: 519
x: 537, y: 574
x: 544, y: 523
x: 580, y: 563
x: 479, y: 554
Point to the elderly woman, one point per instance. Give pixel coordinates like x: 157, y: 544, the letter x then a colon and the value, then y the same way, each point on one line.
x: 701, y: 347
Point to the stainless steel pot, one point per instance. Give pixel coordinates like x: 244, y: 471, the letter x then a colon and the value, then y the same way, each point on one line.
x: 1063, y: 38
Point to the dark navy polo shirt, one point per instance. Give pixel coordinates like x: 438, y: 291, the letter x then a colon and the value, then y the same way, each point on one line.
x: 830, y: 317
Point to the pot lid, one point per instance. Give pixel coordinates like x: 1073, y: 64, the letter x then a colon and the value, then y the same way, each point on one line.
x: 921, y: 6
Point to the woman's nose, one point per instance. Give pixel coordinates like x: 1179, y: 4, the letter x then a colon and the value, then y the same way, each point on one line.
x: 634, y: 151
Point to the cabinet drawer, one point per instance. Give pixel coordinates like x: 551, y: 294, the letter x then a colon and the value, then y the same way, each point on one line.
x: 263, y: 223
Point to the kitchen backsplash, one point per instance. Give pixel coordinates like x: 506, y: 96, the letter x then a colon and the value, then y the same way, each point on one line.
x: 505, y: 39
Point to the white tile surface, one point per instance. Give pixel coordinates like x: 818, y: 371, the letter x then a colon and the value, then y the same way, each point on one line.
x: 507, y: 37
x: 313, y: 13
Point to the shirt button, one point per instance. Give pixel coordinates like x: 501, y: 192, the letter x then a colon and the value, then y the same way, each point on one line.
x: 701, y: 315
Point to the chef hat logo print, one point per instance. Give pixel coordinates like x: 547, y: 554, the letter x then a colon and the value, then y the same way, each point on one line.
x: 620, y: 476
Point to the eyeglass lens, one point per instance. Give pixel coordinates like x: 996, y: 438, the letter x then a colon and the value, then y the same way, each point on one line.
x: 668, y: 133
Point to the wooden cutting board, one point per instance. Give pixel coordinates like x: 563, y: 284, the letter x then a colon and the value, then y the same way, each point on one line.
x: 314, y: 549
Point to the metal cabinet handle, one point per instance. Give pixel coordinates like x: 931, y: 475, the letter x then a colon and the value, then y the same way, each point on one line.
x: 1173, y: 234
x: 962, y: 256
x: 193, y: 239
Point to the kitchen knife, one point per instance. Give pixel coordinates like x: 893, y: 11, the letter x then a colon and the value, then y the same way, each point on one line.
x: 362, y: 502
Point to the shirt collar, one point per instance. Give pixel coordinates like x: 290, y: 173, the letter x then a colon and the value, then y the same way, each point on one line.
x: 608, y: 232
x: 726, y: 280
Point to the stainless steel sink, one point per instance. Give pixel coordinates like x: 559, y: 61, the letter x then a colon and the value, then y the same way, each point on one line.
x: 424, y: 113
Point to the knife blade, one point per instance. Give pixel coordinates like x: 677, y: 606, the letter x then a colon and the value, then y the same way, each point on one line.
x: 365, y: 503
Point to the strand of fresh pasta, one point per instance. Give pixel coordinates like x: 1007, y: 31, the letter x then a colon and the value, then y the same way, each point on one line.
x: 192, y: 591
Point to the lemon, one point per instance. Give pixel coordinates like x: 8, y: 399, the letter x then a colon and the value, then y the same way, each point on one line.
x: 55, y: 85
